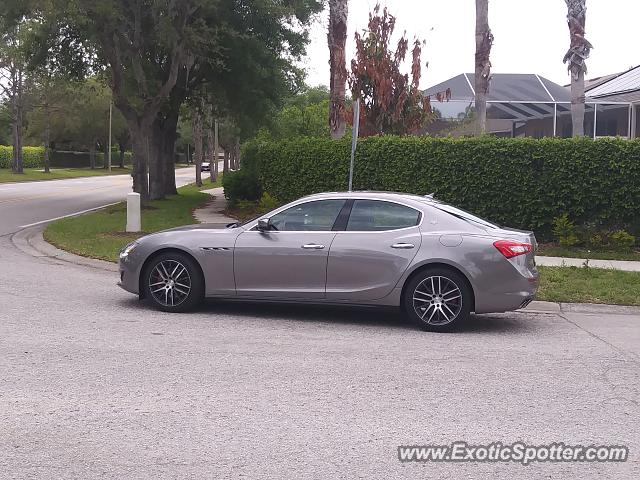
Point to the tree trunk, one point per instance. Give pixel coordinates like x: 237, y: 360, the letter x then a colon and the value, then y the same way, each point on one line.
x: 484, y: 40
x: 47, y: 140
x: 17, y: 165
x: 197, y: 150
x: 575, y: 57
x: 92, y: 155
x: 165, y: 137
x: 228, y: 159
x: 236, y: 156
x: 123, y: 149
x: 336, y: 39
x: 139, y: 164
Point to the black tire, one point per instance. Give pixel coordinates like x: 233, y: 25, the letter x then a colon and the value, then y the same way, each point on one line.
x: 434, y: 307
x: 166, y: 289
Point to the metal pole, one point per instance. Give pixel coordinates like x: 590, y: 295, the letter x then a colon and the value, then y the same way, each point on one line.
x: 629, y: 123
x: 214, y: 177
x: 354, y: 139
x: 109, y: 152
x: 595, y: 119
x: 555, y: 118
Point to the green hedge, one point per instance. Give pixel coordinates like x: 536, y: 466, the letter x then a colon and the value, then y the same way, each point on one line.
x: 32, y: 157
x: 522, y: 182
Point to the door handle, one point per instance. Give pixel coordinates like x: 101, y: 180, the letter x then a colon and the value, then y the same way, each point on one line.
x: 313, y: 246
x: 403, y: 245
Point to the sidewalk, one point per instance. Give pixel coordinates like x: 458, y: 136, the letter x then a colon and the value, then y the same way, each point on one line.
x: 628, y: 266
x: 211, y: 213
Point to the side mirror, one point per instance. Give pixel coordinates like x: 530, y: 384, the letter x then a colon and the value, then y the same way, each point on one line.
x: 264, y: 224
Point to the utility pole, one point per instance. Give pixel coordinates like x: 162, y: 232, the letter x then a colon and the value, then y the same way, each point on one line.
x: 214, y: 165
x: 109, y: 151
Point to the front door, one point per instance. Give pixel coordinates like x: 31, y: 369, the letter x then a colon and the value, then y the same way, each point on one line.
x: 290, y: 260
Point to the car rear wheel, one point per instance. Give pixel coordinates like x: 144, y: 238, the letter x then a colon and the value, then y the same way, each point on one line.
x: 173, y: 282
x: 437, y: 300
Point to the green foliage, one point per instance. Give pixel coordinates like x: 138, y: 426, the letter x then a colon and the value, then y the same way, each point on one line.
x: 564, y: 230
x: 622, y: 240
x: 241, y: 185
x: 267, y: 202
x: 32, y: 157
x: 522, y: 183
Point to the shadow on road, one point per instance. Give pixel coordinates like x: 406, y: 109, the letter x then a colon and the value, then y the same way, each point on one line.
x: 327, y: 314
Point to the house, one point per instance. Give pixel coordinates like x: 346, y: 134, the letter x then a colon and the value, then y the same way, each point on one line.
x: 532, y: 106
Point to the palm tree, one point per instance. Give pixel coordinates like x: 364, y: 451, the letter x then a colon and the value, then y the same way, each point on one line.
x: 336, y: 38
x: 575, y: 59
x: 484, y: 40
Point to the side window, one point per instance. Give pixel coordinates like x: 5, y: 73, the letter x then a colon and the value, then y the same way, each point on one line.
x: 377, y: 215
x: 314, y: 216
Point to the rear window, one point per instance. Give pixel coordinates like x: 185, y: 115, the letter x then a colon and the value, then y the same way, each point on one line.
x: 464, y: 215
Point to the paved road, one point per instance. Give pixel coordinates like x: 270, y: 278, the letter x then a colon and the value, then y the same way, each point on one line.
x: 95, y: 385
x: 31, y: 202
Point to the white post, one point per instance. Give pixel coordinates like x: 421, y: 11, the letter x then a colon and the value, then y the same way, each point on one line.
x: 109, y: 152
x: 555, y: 119
x: 595, y: 119
x: 354, y: 139
x: 133, y: 212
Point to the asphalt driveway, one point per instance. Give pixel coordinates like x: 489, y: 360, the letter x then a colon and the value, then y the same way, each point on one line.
x: 95, y: 385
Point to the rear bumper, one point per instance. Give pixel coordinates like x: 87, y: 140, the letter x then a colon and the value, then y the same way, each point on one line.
x: 515, y: 293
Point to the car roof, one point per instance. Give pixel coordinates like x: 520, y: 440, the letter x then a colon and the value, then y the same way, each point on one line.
x: 373, y: 195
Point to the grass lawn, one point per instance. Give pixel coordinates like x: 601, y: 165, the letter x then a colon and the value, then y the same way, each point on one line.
x: 589, y: 285
x: 551, y: 250
x: 33, y: 174
x: 101, y: 234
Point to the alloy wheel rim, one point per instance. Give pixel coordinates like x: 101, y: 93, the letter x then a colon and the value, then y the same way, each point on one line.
x: 169, y: 283
x: 437, y: 300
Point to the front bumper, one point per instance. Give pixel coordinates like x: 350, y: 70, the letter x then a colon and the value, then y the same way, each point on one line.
x: 128, y: 276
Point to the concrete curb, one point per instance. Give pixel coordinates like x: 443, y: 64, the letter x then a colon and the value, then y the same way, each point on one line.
x: 624, y: 265
x: 31, y: 241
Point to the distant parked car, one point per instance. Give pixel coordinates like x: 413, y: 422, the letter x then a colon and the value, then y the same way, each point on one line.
x: 436, y: 262
x: 205, y: 167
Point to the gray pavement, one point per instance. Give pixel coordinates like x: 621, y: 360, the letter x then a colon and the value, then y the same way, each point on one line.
x: 32, y: 202
x: 93, y: 384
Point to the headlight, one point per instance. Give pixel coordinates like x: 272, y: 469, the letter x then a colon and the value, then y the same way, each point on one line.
x: 127, y: 250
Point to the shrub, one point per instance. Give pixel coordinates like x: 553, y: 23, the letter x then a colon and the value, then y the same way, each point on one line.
x: 267, y: 203
x: 622, y: 240
x: 564, y: 231
x: 32, y: 157
x: 241, y: 185
x: 519, y: 182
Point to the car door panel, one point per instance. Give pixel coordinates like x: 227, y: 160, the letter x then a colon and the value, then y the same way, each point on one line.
x: 367, y: 265
x: 282, y: 264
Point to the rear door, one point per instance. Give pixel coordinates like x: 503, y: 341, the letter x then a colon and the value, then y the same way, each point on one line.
x: 367, y: 259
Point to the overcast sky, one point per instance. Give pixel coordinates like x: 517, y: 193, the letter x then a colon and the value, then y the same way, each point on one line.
x: 531, y: 36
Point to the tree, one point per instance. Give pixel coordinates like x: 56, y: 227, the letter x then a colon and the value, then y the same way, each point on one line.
x: 336, y: 39
x: 159, y: 53
x: 484, y: 41
x: 575, y: 57
x: 389, y: 102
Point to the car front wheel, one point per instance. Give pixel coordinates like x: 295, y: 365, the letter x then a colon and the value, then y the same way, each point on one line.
x: 437, y: 300
x: 173, y: 282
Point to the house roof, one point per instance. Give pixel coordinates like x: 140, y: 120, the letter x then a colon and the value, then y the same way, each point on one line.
x: 628, y: 81
x: 505, y: 87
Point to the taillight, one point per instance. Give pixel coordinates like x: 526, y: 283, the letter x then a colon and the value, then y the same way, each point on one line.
x: 511, y: 248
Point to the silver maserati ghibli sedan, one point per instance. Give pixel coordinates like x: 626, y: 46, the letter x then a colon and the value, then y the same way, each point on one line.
x: 436, y: 262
